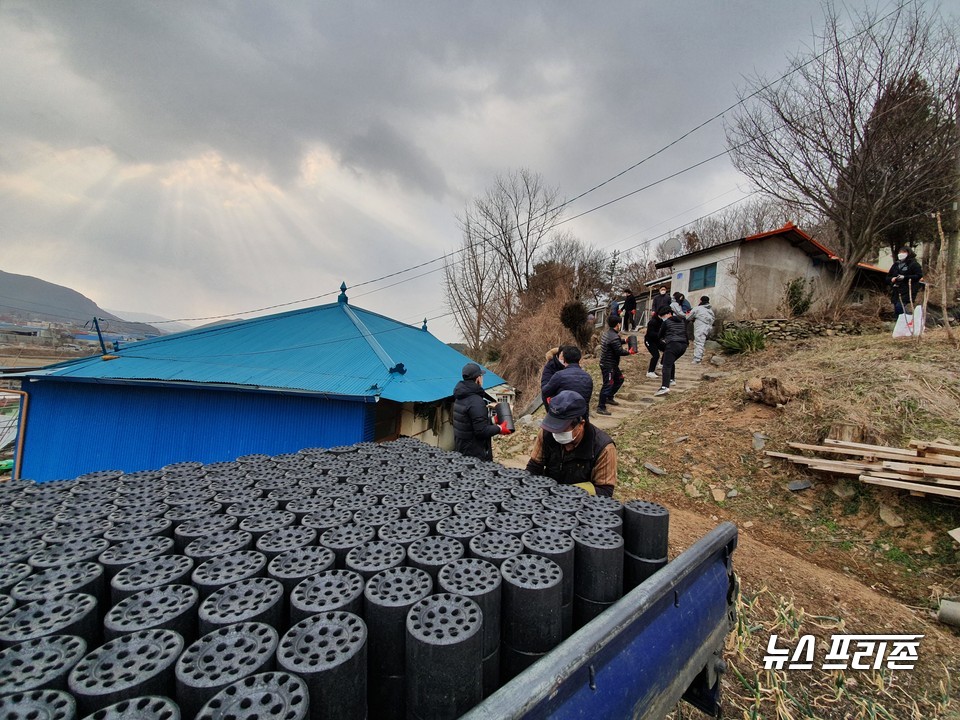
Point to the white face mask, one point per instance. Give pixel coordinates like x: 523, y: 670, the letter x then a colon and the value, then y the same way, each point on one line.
x: 663, y: 292
x: 902, y: 256
x: 564, y: 438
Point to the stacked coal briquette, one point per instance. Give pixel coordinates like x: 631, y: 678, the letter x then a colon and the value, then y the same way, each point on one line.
x: 391, y: 580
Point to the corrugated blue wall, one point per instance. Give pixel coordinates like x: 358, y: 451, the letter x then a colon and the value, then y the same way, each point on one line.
x: 74, y: 428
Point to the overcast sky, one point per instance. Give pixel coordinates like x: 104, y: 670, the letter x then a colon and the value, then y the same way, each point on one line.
x: 199, y: 158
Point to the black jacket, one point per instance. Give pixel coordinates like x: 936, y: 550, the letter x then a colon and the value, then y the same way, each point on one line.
x: 660, y: 301
x: 611, y: 349
x: 651, y: 339
x: 575, y: 466
x: 674, y: 329
x: 472, y: 428
x: 905, y: 290
x: 629, y: 303
x: 573, y: 377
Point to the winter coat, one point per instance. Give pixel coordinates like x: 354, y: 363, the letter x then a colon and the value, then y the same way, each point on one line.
x: 573, y: 377
x: 651, y: 338
x: 611, y: 349
x: 629, y: 304
x: 905, y: 290
x: 553, y: 365
x: 661, y: 301
x: 472, y: 428
x: 574, y: 466
x: 674, y: 329
x: 702, y: 316
x: 681, y: 308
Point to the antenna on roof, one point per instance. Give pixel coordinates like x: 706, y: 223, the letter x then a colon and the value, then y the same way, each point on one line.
x: 424, y: 328
x: 342, y: 297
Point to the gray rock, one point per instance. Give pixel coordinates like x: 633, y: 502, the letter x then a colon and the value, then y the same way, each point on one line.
x: 844, y: 490
x: 526, y: 420
x: 799, y: 485
x: 732, y: 493
x: 656, y: 470
x: 682, y: 438
x: 718, y: 360
x: 714, y: 376
x: 890, y: 517
x: 691, y: 490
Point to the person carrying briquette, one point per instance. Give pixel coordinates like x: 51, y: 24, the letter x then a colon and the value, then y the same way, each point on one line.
x: 571, y: 450
x: 629, y: 310
x: 661, y: 299
x: 651, y: 340
x: 703, y: 317
x: 673, y: 335
x: 904, y: 278
x: 472, y: 429
x: 572, y: 377
x: 611, y: 350
x: 680, y: 304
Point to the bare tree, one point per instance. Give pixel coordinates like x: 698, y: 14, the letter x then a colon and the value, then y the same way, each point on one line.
x: 472, y: 279
x: 830, y: 137
x: 504, y: 232
x: 514, y: 217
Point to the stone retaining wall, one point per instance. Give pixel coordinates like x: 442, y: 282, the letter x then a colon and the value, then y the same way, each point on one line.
x: 795, y: 328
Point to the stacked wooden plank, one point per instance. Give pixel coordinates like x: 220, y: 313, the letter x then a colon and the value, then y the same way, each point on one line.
x: 922, y: 468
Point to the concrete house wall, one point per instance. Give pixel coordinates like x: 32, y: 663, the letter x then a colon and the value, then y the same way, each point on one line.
x: 724, y: 293
x: 765, y: 268
x: 752, y: 275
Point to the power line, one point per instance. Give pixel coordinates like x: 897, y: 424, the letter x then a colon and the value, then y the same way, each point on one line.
x: 130, y: 351
x: 566, y: 203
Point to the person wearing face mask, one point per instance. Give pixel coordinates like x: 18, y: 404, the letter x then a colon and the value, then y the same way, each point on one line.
x: 660, y: 300
x: 904, y: 277
x: 571, y: 450
x: 472, y: 429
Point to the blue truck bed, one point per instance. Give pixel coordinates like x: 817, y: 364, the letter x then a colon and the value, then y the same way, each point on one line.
x: 659, y: 644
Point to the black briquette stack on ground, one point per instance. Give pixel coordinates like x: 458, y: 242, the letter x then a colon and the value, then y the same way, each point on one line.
x: 221, y: 580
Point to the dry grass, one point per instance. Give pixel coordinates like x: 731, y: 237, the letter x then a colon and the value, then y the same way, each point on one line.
x: 523, y: 349
x: 753, y: 692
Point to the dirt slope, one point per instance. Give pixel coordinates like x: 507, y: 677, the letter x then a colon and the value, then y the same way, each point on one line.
x: 819, y: 561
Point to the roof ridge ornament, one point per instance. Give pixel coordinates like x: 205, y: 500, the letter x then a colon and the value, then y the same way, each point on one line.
x: 342, y: 297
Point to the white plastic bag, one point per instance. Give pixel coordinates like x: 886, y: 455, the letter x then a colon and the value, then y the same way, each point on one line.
x: 909, y: 325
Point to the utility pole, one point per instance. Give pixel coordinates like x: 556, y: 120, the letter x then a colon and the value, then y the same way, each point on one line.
x: 96, y: 324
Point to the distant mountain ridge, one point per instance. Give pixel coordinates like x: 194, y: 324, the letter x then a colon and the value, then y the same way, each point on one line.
x: 161, y: 323
x: 24, y: 298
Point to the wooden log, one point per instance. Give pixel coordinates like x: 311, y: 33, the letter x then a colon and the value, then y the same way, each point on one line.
x: 878, y: 453
x: 804, y: 460
x: 940, y: 448
x: 933, y: 471
x: 919, y: 487
x: 913, y: 478
x: 864, y: 446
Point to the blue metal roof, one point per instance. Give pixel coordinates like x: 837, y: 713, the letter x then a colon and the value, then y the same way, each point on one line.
x: 334, y: 349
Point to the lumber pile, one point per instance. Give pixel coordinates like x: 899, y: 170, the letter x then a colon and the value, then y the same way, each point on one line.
x: 922, y: 468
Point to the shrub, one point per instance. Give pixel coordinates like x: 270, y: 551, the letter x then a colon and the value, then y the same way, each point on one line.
x: 573, y: 316
x: 797, y: 296
x: 742, y: 340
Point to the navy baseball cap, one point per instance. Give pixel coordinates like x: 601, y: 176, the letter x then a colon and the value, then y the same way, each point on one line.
x: 565, y: 407
x: 471, y: 371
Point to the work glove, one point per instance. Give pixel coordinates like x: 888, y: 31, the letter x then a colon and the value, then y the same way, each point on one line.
x: 504, y: 430
x: 632, y: 351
